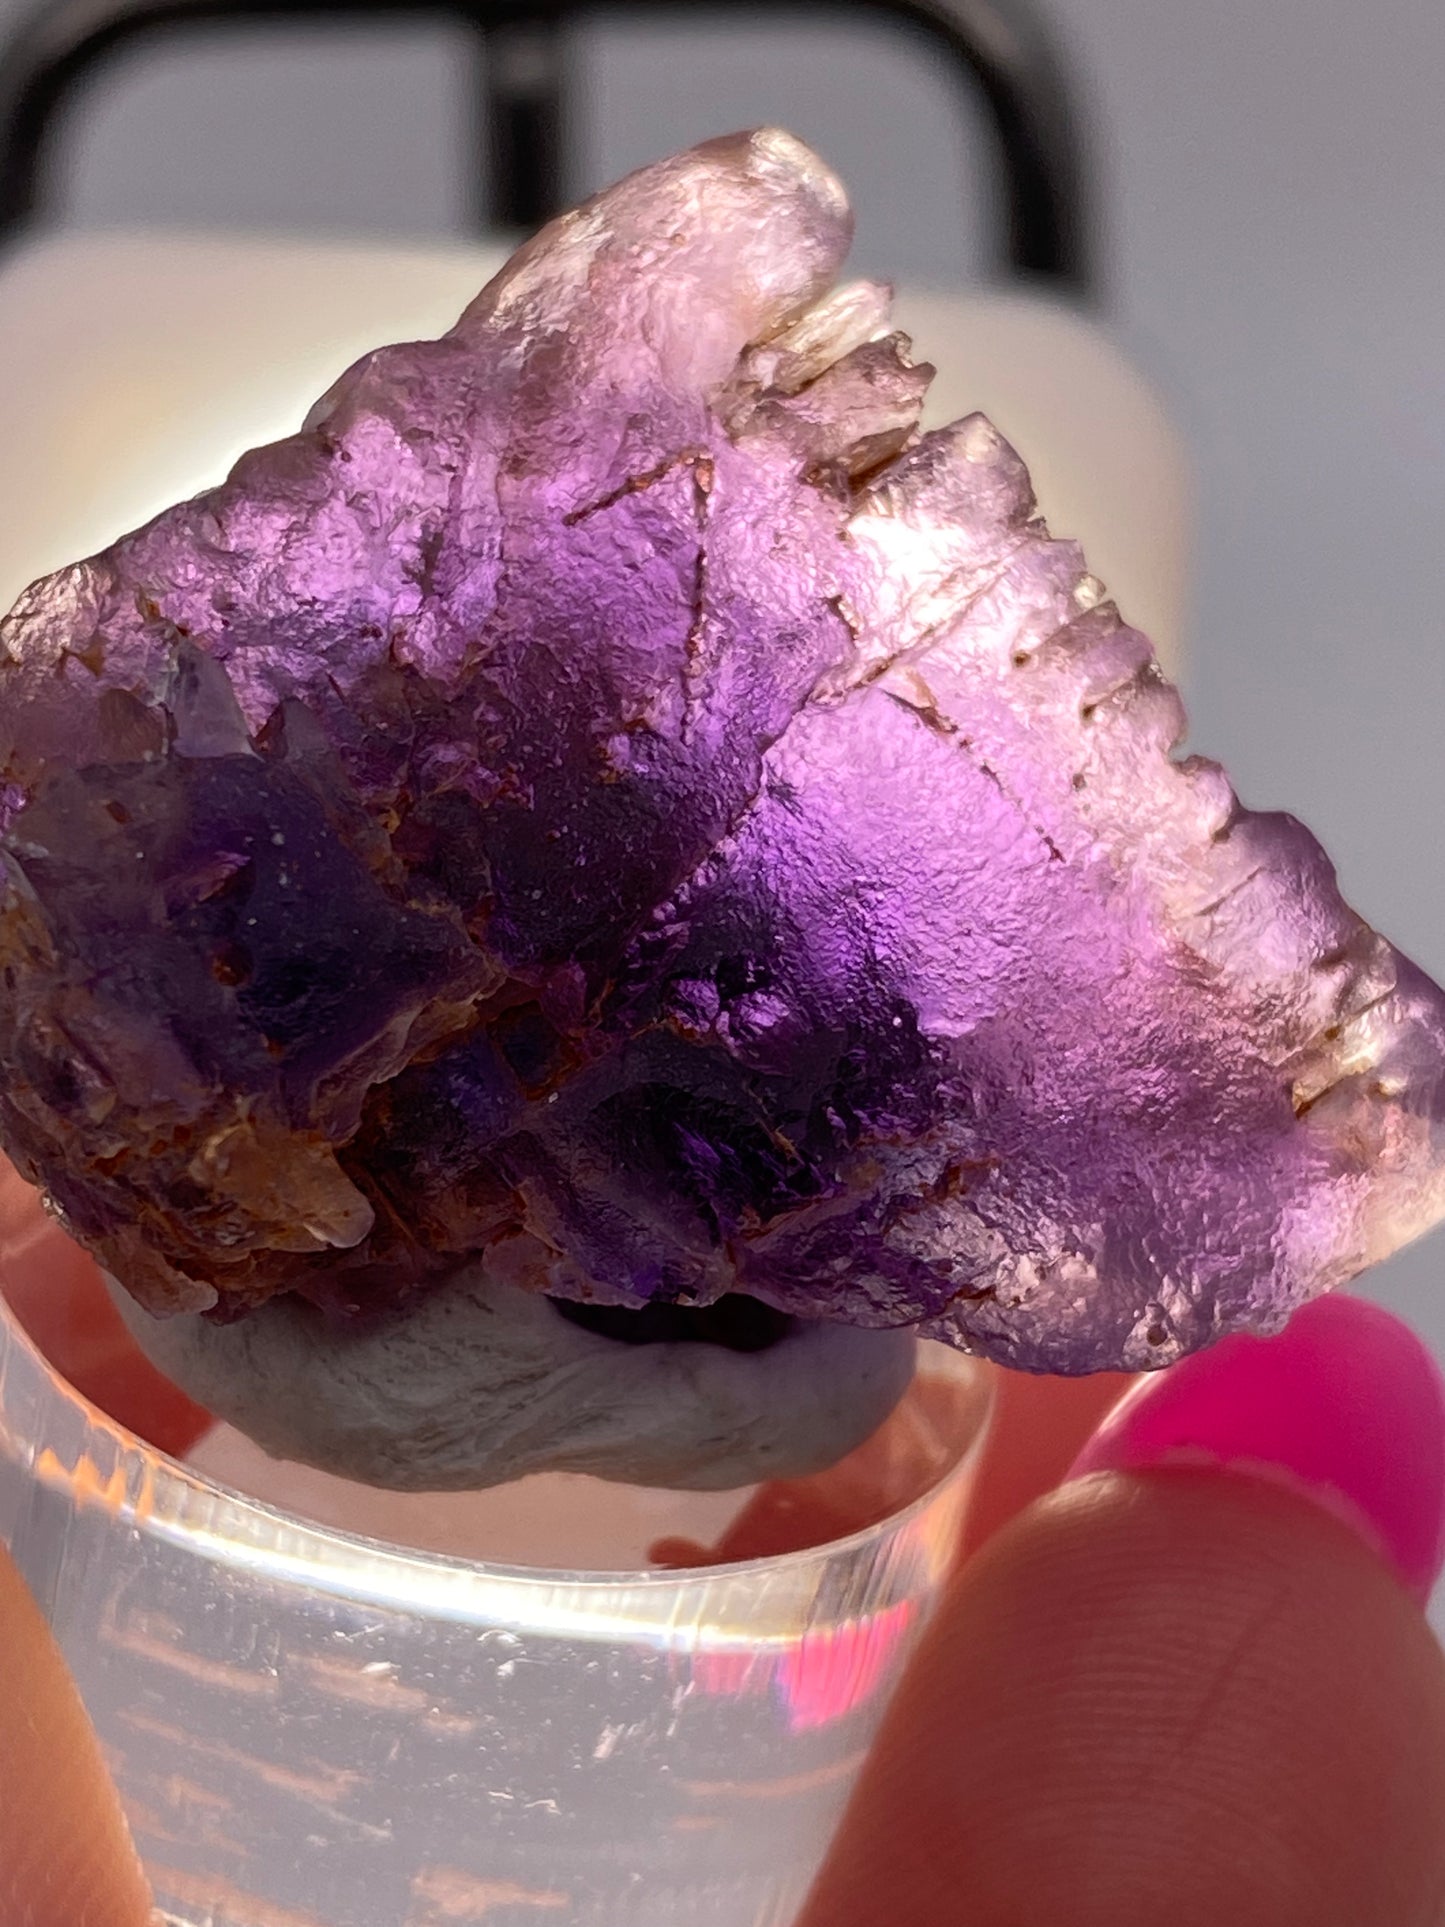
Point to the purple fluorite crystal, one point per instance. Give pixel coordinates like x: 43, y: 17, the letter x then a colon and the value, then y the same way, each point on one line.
x: 610, y: 797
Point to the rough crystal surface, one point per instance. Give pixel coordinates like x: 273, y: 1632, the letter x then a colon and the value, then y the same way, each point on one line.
x: 609, y: 796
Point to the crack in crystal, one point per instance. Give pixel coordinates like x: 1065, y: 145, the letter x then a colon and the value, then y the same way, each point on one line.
x: 636, y: 484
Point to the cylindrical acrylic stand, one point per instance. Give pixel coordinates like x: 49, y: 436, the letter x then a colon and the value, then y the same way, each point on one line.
x: 312, y: 1729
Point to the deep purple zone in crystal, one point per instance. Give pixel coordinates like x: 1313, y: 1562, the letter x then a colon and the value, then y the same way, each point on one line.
x: 610, y: 798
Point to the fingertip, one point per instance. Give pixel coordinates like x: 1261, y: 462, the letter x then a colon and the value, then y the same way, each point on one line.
x: 55, y: 1292
x: 66, y: 1855
x: 1188, y: 1682
x: 1037, y: 1428
x: 1170, y: 1695
x: 1345, y: 1406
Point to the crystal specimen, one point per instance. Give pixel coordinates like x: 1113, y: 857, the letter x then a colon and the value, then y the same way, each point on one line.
x: 611, y: 803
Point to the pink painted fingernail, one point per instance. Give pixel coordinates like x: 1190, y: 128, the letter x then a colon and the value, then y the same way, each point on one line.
x: 1346, y: 1406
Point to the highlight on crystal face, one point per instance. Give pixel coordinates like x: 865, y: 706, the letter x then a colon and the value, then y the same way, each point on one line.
x: 610, y: 838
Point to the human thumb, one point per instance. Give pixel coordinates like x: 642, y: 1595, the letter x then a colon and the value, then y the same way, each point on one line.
x: 1195, y: 1684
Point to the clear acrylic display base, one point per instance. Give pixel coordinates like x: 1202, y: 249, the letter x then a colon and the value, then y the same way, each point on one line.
x: 311, y: 1728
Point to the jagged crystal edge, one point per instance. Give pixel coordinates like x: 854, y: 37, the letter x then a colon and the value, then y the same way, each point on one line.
x: 609, y: 795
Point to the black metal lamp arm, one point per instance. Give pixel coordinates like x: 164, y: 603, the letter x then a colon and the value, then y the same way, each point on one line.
x: 993, y: 46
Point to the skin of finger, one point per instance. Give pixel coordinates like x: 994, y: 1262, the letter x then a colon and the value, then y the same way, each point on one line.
x: 1037, y: 1429
x: 66, y: 1858
x: 1177, y: 1696
x: 55, y: 1291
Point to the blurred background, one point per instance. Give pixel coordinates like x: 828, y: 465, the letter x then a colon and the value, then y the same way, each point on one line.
x: 1265, y: 179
